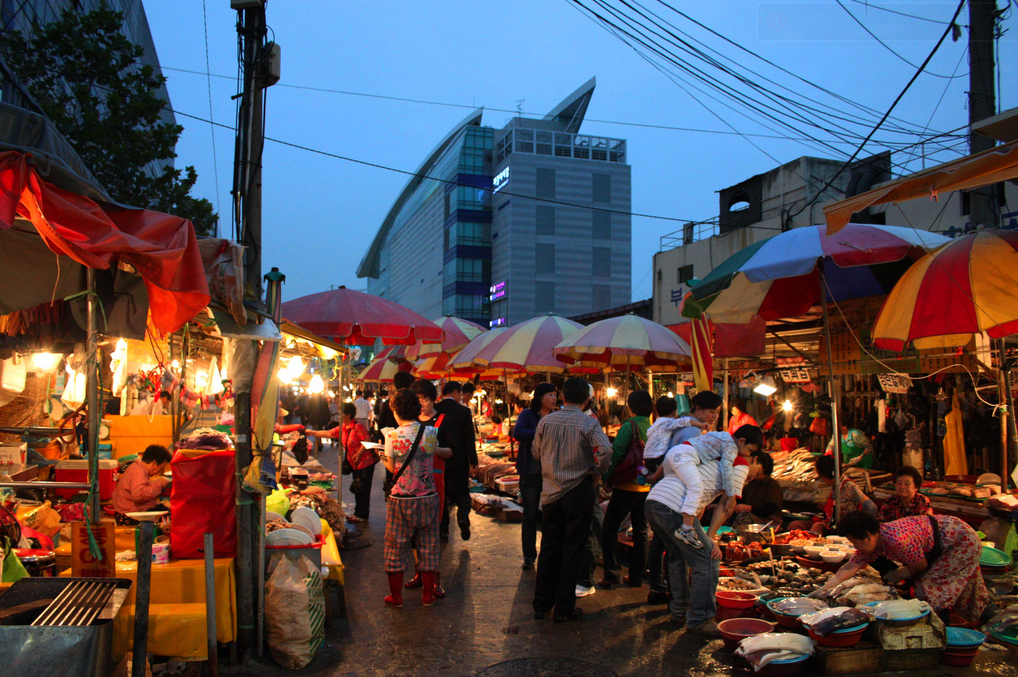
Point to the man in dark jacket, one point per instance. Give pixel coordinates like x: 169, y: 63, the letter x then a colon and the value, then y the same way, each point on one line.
x: 459, y: 427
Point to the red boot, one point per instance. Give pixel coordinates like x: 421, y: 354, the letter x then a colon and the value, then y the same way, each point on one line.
x: 428, y: 595
x: 439, y: 590
x: 395, y: 597
x: 414, y: 582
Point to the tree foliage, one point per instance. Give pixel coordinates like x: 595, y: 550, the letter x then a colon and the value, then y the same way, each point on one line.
x: 90, y: 81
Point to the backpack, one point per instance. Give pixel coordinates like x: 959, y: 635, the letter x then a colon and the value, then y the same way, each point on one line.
x: 629, y: 468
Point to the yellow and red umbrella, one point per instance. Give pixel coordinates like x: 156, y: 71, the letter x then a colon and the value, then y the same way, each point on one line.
x: 458, y: 333
x: 962, y: 288
x: 527, y: 346
x: 626, y: 343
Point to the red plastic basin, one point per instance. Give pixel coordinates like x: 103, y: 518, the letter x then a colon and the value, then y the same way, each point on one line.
x: 733, y: 599
x: 958, y: 658
x: 734, y: 630
x: 840, y: 639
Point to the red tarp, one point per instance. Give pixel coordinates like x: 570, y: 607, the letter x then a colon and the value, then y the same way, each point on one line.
x: 162, y: 248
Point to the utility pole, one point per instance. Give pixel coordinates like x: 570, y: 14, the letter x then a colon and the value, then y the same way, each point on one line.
x: 260, y: 67
x: 983, y: 207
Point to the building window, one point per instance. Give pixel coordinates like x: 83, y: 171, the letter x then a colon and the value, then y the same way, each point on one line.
x: 602, y: 297
x: 544, y: 301
x: 545, y: 220
x: 469, y: 233
x: 546, y: 259
x: 602, y: 225
x: 602, y: 188
x: 546, y: 184
x: 601, y: 260
x: 685, y: 274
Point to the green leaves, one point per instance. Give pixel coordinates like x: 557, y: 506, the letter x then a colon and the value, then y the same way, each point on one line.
x: 90, y: 81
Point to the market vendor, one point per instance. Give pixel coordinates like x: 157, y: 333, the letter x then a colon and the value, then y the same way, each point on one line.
x: 856, y: 448
x: 939, y: 554
x: 361, y: 460
x: 739, y: 417
x: 762, y: 497
x: 141, y: 484
x: 852, y: 498
x: 907, y: 501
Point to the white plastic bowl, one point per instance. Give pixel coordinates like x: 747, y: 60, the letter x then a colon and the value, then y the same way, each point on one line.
x: 833, y: 556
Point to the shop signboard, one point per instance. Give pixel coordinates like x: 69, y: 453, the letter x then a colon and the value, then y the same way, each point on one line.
x: 894, y: 383
x: 83, y: 562
x: 793, y: 370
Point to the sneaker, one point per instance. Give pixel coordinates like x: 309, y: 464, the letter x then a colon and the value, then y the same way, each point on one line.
x: 689, y: 537
x: 584, y: 591
x: 465, y: 532
x: 678, y: 620
x: 707, y: 630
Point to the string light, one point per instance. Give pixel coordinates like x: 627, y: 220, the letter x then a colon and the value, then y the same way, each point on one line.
x: 787, y: 406
x: 317, y: 385
x: 45, y: 361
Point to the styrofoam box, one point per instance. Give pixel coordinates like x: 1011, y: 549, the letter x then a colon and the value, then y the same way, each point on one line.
x: 12, y: 459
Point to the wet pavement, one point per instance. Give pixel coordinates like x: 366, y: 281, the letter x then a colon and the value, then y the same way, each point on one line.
x: 485, y: 627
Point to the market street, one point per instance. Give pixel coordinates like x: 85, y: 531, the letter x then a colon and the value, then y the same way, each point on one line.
x: 487, y: 619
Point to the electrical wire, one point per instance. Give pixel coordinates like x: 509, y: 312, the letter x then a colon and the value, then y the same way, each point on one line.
x: 888, y: 47
x: 212, y: 129
x: 513, y: 111
x: 895, y: 103
x: 870, y: 5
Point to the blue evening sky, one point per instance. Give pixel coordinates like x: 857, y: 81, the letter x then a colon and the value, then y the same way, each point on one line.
x: 320, y: 213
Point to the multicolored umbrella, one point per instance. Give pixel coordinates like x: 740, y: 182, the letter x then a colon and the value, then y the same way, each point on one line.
x: 626, y: 343
x: 963, y: 288
x: 458, y: 333
x: 382, y: 369
x: 527, y: 346
x: 780, y: 276
x: 356, y: 318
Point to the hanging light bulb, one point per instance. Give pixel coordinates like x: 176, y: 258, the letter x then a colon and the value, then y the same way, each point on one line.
x: 45, y: 361
x: 295, y: 366
x: 671, y: 394
x: 787, y: 406
x: 176, y: 364
x: 317, y: 385
x: 612, y: 392
x: 284, y: 376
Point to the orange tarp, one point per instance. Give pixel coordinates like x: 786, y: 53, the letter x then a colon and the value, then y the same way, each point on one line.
x: 973, y: 171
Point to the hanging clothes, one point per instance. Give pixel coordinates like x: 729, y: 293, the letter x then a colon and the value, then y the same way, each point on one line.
x: 955, y: 462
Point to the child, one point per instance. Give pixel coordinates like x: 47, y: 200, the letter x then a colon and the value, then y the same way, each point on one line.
x: 714, y: 446
x: 660, y: 433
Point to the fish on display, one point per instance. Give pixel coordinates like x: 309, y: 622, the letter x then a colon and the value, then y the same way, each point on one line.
x: 827, y: 621
x: 1008, y: 618
x: 760, y: 650
x: 900, y: 608
x: 796, y: 606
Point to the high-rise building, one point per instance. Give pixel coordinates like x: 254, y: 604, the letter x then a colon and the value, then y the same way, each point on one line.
x: 498, y: 226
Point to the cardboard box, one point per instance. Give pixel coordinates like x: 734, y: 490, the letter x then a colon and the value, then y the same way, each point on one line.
x: 12, y: 460
x: 864, y: 657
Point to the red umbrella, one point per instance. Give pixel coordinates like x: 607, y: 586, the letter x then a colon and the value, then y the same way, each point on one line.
x: 356, y: 318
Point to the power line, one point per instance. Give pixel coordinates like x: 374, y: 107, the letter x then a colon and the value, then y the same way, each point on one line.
x: 888, y: 47
x: 212, y: 129
x: 950, y: 27
x: 402, y: 99
x: 870, y: 5
x: 423, y: 177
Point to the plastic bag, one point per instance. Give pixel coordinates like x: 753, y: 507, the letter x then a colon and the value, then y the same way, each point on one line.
x: 43, y: 518
x: 294, y: 611
x: 277, y: 502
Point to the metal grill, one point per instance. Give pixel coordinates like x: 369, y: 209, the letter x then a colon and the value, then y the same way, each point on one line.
x: 78, y: 604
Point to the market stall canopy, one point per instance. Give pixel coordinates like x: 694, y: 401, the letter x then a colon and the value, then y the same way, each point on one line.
x: 161, y: 248
x: 290, y: 329
x: 626, y: 343
x: 963, y: 288
x: 356, y: 318
x: 382, y: 370
x: 982, y: 169
x: 527, y: 346
x: 779, y: 277
x: 458, y: 333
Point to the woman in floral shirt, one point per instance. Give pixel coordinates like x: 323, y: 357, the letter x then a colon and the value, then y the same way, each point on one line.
x: 907, y: 501
x: 940, y: 554
x: 413, y: 509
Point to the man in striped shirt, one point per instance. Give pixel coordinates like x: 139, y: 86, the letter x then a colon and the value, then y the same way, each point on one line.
x: 573, y: 451
x: 693, y: 571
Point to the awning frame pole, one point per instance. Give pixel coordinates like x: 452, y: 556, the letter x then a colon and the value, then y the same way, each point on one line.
x: 94, y: 363
x: 836, y: 432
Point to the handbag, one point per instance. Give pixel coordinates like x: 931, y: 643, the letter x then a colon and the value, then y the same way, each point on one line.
x: 300, y: 449
x: 628, y: 469
x: 388, y: 484
x: 347, y: 468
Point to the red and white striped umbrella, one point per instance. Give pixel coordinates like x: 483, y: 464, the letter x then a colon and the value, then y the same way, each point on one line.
x: 527, y: 346
x: 356, y: 318
x: 626, y: 343
x: 458, y: 333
